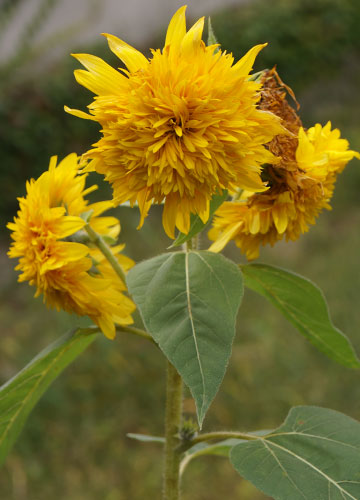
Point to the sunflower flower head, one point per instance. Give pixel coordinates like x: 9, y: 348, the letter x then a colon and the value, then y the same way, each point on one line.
x: 301, y: 182
x: 178, y: 127
x: 54, y: 252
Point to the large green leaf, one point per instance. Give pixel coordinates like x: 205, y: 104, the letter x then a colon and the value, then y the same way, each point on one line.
x: 188, y: 302
x: 304, y: 305
x: 196, y: 224
x: 314, y: 455
x: 20, y: 394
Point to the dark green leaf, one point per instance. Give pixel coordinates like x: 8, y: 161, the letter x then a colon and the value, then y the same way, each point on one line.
x: 314, y: 455
x: 196, y: 224
x: 188, y: 302
x: 304, y: 305
x: 20, y: 394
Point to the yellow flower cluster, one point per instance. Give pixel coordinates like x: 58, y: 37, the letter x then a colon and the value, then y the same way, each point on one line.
x: 50, y: 242
x: 301, y: 183
x: 178, y: 127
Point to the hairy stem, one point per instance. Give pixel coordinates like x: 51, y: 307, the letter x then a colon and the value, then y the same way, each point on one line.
x: 106, y: 251
x: 173, y: 417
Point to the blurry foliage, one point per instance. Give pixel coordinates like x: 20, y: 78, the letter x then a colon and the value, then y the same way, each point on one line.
x: 35, y: 127
x: 307, y: 38
x: 33, y: 123
x: 74, y: 445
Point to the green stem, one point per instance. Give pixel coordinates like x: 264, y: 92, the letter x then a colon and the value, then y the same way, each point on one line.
x: 106, y: 251
x: 135, y: 331
x: 124, y: 329
x: 173, y: 417
x: 210, y: 436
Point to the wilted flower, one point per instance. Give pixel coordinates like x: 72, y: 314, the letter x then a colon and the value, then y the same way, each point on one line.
x: 301, y: 183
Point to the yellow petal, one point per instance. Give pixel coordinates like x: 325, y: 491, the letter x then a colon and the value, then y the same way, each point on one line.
x: 169, y: 216
x: 183, y: 221
x: 52, y: 163
x: 144, y: 206
x: 252, y: 182
x: 100, y: 206
x: 69, y: 162
x: 102, y: 224
x: 193, y: 36
x: 254, y: 225
x: 244, y: 66
x: 107, y: 326
x: 176, y: 29
x: 132, y: 58
x: 69, y: 225
x: 225, y: 237
x: 280, y: 219
x: 79, y: 114
x: 102, y: 77
x: 73, y: 250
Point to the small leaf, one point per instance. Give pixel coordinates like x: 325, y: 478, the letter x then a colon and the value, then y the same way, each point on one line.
x: 20, y: 394
x: 211, y: 40
x: 188, y: 303
x: 302, y: 303
x: 146, y: 439
x: 196, y: 224
x: 314, y: 455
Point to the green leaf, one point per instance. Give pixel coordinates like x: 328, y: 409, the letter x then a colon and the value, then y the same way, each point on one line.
x: 211, y: 40
x: 20, y: 394
x: 146, y: 439
x: 196, y: 224
x: 302, y: 303
x: 188, y: 303
x: 314, y: 455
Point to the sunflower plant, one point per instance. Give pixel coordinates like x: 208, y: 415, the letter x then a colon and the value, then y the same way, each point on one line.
x: 193, y: 131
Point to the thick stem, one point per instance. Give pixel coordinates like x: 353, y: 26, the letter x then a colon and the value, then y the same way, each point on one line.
x: 106, y: 251
x: 173, y: 416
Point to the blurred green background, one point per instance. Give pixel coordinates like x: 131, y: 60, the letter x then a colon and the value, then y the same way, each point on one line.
x: 74, y: 446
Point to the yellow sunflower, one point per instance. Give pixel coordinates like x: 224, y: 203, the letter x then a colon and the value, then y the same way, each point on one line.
x: 301, y: 184
x: 53, y: 255
x: 178, y: 127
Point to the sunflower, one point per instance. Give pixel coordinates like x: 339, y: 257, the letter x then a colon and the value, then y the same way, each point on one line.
x: 301, y: 183
x: 51, y: 244
x: 178, y: 127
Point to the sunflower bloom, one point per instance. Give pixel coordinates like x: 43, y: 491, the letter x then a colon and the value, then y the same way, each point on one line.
x: 178, y: 127
x: 301, y: 184
x: 50, y: 243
